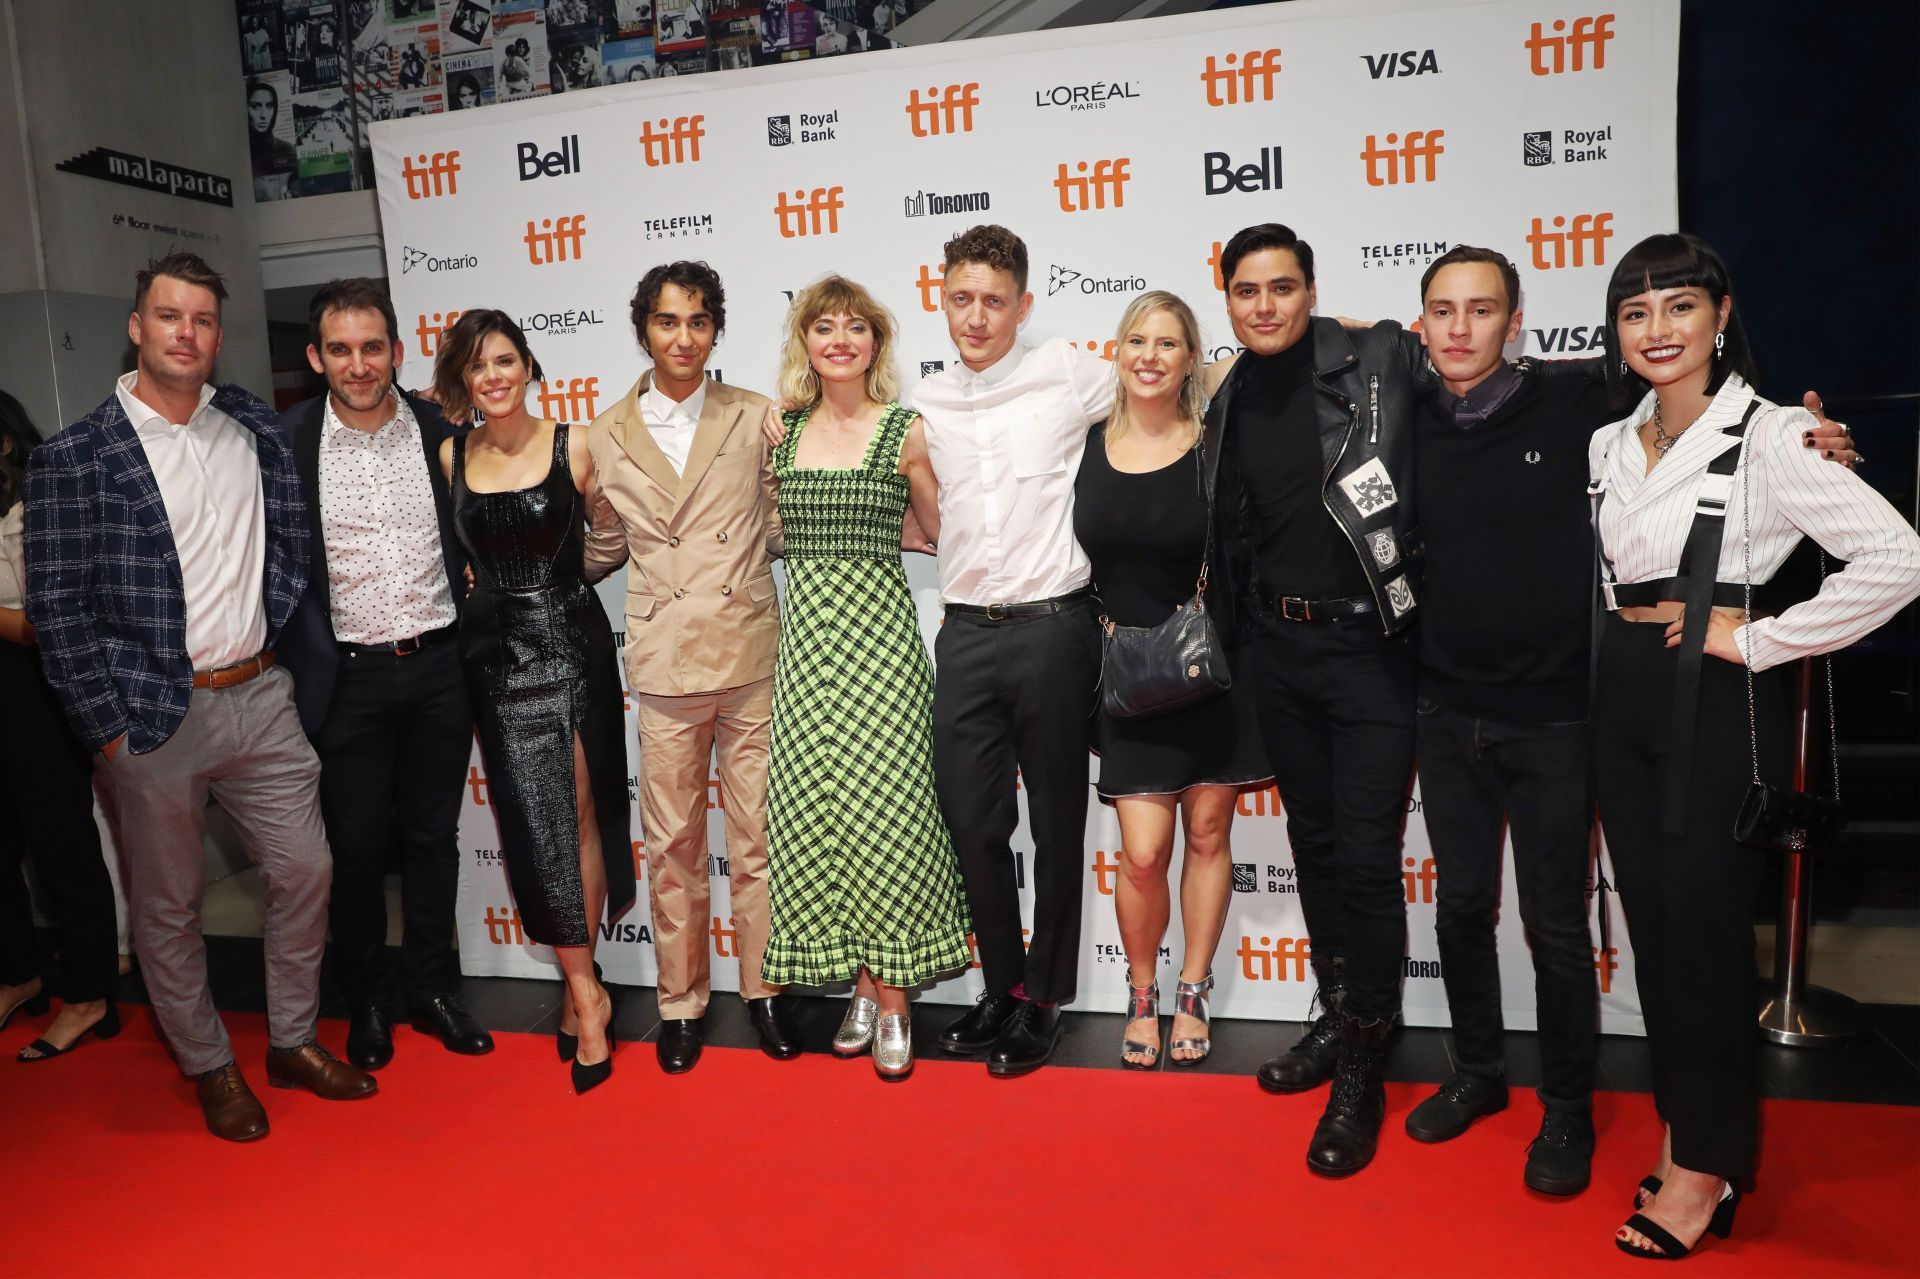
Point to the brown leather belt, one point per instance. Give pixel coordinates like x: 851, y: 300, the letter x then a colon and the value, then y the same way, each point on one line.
x: 238, y: 673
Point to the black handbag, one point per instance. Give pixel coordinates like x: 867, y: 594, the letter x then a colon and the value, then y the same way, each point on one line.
x: 1152, y: 670
x: 1779, y: 819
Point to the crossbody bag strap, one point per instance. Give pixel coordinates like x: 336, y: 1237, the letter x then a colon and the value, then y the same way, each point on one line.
x: 1700, y: 566
x: 1206, y: 497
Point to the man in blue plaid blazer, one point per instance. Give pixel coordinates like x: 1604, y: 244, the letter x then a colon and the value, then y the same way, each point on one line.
x: 166, y: 546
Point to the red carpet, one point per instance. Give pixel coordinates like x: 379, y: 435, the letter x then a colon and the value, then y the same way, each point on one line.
x: 490, y: 1167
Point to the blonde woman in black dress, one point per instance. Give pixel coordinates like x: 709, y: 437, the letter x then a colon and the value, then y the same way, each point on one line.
x: 1140, y: 512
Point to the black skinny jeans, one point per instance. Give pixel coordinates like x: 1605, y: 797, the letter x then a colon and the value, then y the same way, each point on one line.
x: 1477, y: 777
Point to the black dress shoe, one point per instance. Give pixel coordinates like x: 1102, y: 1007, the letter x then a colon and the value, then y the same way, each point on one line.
x: 370, y: 1037
x: 769, y: 1019
x: 1027, y: 1041
x: 976, y: 1030
x: 679, y: 1044
x: 1461, y: 1100
x: 452, y: 1025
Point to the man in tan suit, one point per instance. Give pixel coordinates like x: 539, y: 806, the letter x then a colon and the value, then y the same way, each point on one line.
x: 683, y: 461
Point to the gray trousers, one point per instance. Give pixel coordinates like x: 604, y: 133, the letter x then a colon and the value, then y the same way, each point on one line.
x: 241, y: 746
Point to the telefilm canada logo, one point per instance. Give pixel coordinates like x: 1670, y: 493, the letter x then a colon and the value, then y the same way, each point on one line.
x: 679, y: 226
x: 434, y: 263
x: 923, y: 204
x: 817, y: 127
x: 1402, y: 253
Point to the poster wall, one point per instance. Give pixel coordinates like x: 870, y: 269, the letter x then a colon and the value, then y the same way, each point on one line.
x: 1124, y: 155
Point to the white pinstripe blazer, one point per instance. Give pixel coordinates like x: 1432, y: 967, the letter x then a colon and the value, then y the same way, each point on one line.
x: 1793, y: 492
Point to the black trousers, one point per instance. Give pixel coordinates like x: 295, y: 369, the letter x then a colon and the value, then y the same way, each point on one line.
x: 1689, y: 899
x: 1477, y: 776
x: 1006, y: 694
x: 1336, y: 708
x: 393, y: 761
x: 46, y: 813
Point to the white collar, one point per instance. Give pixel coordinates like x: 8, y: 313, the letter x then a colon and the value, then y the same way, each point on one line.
x: 997, y: 372
x: 146, y: 418
x: 401, y: 414
x: 662, y: 409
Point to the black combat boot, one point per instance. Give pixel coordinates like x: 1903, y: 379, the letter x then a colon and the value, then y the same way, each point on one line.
x: 1309, y: 1063
x: 1349, y: 1129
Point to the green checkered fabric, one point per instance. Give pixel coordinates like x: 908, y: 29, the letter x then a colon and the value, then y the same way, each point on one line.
x: 862, y: 870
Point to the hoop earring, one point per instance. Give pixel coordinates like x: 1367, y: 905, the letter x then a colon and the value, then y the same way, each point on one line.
x: 1719, y: 343
x: 1623, y: 366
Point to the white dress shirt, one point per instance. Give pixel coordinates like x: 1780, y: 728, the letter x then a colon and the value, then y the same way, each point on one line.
x: 208, y: 472
x: 1786, y: 490
x: 673, y: 422
x: 386, y: 574
x: 1005, y: 445
x: 13, y: 564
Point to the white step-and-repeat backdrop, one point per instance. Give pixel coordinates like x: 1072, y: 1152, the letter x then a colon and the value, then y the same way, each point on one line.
x: 1124, y: 155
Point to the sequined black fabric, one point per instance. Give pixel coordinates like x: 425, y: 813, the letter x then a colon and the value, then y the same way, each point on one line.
x: 539, y: 659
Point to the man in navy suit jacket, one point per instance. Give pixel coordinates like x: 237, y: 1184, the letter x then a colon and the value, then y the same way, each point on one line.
x: 376, y: 673
x: 166, y: 547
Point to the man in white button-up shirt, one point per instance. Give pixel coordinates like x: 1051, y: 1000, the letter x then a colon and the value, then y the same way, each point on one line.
x: 1019, y: 656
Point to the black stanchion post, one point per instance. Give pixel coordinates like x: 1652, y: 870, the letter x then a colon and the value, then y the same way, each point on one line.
x: 1795, y: 1012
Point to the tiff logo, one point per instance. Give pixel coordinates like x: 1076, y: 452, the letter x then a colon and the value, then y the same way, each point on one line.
x: 1419, y: 880
x: 1402, y: 158
x: 932, y: 285
x: 556, y: 240
x: 570, y: 400
x: 726, y: 943
x: 1267, y: 959
x: 504, y: 927
x: 1260, y: 803
x: 1584, y: 245
x: 674, y: 141
x: 1078, y: 194
x: 1106, y: 872
x: 430, y: 176
x: 937, y: 112
x: 803, y: 214
x: 1556, y: 53
x: 1251, y: 81
x: 429, y: 333
x: 1606, y: 963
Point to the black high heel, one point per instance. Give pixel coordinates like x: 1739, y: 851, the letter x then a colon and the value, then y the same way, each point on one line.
x: 35, y: 1006
x: 1649, y: 1187
x: 106, y: 1028
x: 586, y: 1078
x: 569, y: 1045
x: 1671, y: 1249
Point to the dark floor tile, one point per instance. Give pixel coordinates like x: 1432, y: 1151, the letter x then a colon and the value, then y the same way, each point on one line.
x: 1899, y: 1026
x: 1866, y: 1070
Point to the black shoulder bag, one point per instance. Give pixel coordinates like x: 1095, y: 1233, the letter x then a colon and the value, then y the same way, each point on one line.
x: 1151, y: 670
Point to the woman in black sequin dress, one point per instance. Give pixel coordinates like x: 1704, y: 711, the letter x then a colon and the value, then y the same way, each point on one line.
x: 539, y: 659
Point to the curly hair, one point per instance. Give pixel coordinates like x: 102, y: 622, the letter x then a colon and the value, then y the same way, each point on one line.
x: 694, y: 277
x: 991, y: 246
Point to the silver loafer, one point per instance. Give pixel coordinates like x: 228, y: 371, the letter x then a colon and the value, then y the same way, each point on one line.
x: 856, y: 1028
x: 893, y: 1047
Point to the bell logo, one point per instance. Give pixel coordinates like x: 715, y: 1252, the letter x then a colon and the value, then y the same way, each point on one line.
x: 1086, y: 191
x: 1106, y: 872
x: 430, y: 176
x: 1584, y: 245
x: 1606, y: 963
x: 1402, y: 160
x: 1260, y: 803
x: 1262, y: 175
x: 805, y: 216
x: 556, y: 240
x: 1267, y: 959
x: 1553, y: 54
x: 1250, y: 81
x: 941, y: 108
x: 504, y: 927
x: 1419, y: 881
x: 932, y: 286
x: 429, y: 335
x: 726, y: 943
x: 570, y: 401
x: 675, y: 141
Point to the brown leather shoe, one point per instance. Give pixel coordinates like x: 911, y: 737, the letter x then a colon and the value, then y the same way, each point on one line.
x: 233, y: 1112
x: 319, y: 1072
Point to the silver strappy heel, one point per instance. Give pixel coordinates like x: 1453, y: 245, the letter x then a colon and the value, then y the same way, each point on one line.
x: 1192, y: 998
x: 1142, y: 1002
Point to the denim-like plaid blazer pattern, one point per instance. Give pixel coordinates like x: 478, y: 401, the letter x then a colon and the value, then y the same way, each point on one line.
x: 104, y: 590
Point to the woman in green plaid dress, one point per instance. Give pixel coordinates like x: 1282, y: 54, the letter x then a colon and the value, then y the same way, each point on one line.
x: 864, y: 882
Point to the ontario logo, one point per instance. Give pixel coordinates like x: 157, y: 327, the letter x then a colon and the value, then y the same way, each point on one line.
x: 1062, y: 279
x: 411, y: 257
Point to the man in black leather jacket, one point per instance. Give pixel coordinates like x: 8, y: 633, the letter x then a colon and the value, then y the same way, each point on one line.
x: 1310, y: 440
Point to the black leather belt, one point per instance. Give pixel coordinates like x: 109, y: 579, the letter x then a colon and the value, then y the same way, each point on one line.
x: 401, y: 647
x: 1646, y: 594
x: 1030, y: 608
x: 1293, y: 608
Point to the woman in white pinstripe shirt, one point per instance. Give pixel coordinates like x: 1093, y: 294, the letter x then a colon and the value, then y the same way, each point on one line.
x: 1672, y: 766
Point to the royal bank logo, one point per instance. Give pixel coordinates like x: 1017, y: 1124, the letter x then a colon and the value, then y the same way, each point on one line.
x: 1246, y: 877
x: 1537, y: 148
x: 923, y: 204
x: 930, y: 367
x: 1573, y: 146
x: 822, y: 127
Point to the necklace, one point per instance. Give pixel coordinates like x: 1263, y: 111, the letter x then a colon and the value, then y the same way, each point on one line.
x: 1661, y: 440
